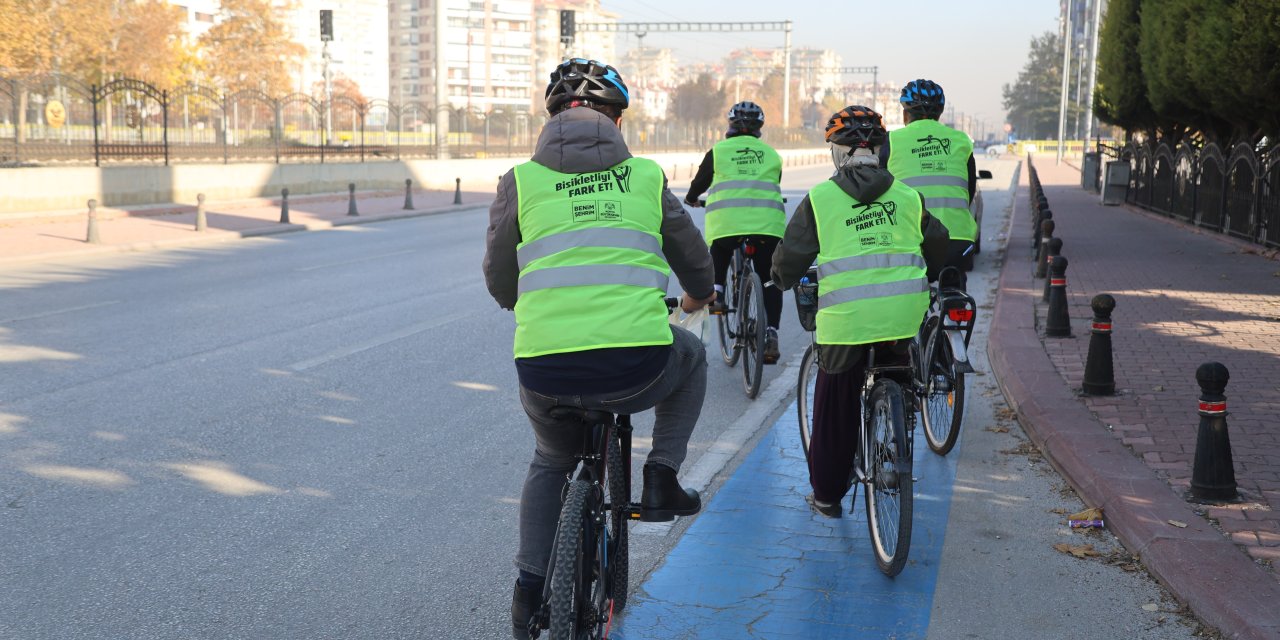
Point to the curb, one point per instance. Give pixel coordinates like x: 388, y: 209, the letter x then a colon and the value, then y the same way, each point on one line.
x: 1201, y: 567
x: 217, y: 236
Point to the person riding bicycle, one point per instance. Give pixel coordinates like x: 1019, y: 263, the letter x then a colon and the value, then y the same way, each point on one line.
x: 876, y: 247
x: 581, y: 242
x: 937, y: 161
x: 740, y: 176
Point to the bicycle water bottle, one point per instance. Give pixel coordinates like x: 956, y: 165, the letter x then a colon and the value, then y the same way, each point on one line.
x: 805, y: 293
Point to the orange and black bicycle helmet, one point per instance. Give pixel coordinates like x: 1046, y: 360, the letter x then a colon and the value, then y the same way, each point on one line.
x: 856, y: 127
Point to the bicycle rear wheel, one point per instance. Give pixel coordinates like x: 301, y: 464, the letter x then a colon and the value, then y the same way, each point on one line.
x: 572, y: 572
x: 889, y: 495
x: 727, y: 321
x: 753, y: 323
x: 619, y: 500
x: 944, y: 394
x: 806, y: 382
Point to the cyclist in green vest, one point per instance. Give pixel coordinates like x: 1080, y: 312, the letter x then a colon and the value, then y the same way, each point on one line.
x: 581, y: 242
x: 937, y: 161
x: 876, y: 247
x: 740, y: 176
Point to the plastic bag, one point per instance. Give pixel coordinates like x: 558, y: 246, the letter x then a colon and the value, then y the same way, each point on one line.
x: 697, y: 322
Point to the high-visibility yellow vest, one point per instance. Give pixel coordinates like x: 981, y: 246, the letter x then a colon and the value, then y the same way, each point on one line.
x: 744, y: 197
x: 872, y: 284
x: 933, y: 159
x: 592, y: 272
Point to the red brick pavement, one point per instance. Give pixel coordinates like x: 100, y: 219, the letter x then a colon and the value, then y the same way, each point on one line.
x: 1182, y: 299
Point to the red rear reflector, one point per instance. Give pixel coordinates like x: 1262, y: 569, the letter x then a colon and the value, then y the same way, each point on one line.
x: 750, y: 250
x: 960, y: 315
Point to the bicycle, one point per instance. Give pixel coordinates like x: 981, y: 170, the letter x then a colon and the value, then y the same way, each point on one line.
x: 886, y: 427
x: 586, y: 583
x: 945, y: 339
x: 741, y: 319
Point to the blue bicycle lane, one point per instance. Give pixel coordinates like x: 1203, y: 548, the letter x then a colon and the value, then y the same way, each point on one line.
x: 757, y: 563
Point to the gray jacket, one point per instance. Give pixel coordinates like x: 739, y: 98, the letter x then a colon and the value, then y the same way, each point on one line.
x: 581, y: 140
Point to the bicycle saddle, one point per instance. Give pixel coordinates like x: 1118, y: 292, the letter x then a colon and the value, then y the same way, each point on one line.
x: 589, y: 416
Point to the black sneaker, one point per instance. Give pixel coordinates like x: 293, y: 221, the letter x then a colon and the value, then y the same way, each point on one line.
x: 771, y: 353
x: 524, y: 604
x: 822, y: 508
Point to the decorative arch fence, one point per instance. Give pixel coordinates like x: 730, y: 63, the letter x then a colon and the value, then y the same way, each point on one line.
x: 1233, y: 189
x: 56, y: 119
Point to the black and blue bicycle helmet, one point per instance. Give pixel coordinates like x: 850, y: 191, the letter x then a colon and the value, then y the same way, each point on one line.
x: 923, y: 98
x: 582, y: 82
x: 746, y: 116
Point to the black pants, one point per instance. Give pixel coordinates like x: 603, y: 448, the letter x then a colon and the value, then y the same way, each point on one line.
x: 956, y: 251
x: 722, y: 256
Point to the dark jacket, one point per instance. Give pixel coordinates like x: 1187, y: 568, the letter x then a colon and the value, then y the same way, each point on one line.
x: 707, y: 170
x: 581, y: 140
x: 799, y: 246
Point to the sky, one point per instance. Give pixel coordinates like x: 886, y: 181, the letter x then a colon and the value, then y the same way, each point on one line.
x: 970, y: 47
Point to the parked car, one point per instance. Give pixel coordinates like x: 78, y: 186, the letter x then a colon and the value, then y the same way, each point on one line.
x: 975, y: 208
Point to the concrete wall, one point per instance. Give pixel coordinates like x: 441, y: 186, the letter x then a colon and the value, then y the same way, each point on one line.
x: 38, y: 189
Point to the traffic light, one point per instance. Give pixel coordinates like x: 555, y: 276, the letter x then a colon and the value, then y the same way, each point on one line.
x: 566, y: 24
x: 326, y: 25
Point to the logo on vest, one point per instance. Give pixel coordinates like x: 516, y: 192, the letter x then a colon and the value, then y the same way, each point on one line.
x: 873, y: 214
x: 597, y: 210
x: 932, y: 146
x: 590, y: 183
x: 747, y: 156
x: 876, y: 240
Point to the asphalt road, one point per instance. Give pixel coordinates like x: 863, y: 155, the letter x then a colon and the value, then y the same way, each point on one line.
x: 317, y: 435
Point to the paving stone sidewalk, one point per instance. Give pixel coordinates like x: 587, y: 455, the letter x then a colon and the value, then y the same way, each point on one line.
x: 51, y: 235
x: 1182, y: 299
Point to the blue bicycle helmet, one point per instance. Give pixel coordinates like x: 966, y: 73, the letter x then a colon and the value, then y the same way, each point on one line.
x: 582, y: 82
x: 923, y: 98
x: 746, y: 116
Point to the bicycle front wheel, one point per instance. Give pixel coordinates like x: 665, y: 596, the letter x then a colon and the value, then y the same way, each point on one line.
x: 889, y: 494
x: 806, y: 382
x: 944, y: 394
x: 727, y: 320
x: 752, y: 321
x: 572, y: 571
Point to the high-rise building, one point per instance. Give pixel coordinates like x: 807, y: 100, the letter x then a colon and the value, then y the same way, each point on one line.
x: 593, y: 45
x: 200, y: 15
x: 358, y: 52
x: 651, y: 76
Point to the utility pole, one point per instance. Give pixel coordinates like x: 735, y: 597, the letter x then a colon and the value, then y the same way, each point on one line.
x: 1093, y: 69
x: 786, y: 78
x: 442, y: 84
x: 1066, y: 75
x: 326, y: 35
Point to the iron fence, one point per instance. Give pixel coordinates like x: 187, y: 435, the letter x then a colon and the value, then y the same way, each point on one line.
x: 1233, y: 190
x: 56, y: 119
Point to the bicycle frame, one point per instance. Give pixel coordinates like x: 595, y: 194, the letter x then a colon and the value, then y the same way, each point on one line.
x: 862, y: 471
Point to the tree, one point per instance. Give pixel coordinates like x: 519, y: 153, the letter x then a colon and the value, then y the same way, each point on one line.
x: 148, y: 44
x: 250, y: 48
x: 1120, y: 97
x: 1034, y: 99
x: 1180, y: 104
x: 699, y: 101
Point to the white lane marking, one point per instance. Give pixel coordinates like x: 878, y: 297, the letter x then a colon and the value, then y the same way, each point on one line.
x: 353, y: 261
x: 373, y: 343
x: 731, y: 440
x: 60, y: 311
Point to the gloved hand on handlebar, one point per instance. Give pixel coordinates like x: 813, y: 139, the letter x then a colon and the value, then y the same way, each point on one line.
x: 689, y: 304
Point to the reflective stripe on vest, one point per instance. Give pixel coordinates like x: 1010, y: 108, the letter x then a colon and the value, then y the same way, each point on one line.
x: 933, y: 159
x: 592, y: 272
x: 591, y: 237
x: 588, y: 275
x: 744, y: 198
x: 871, y: 276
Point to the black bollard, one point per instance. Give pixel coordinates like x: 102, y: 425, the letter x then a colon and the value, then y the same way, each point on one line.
x: 201, y: 222
x: 1213, y: 476
x: 284, y: 206
x: 1055, y: 250
x: 457, y: 190
x: 351, y: 199
x: 1046, y: 234
x: 1039, y: 229
x: 1058, y: 322
x: 408, y: 194
x: 92, y: 236
x: 1099, y: 370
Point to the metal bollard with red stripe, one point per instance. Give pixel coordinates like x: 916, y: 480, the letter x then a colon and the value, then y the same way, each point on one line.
x: 1058, y: 322
x: 1213, y: 476
x: 1099, y: 369
x: 1054, y: 250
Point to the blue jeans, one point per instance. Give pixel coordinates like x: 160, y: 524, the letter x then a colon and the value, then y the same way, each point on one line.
x: 676, y: 395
